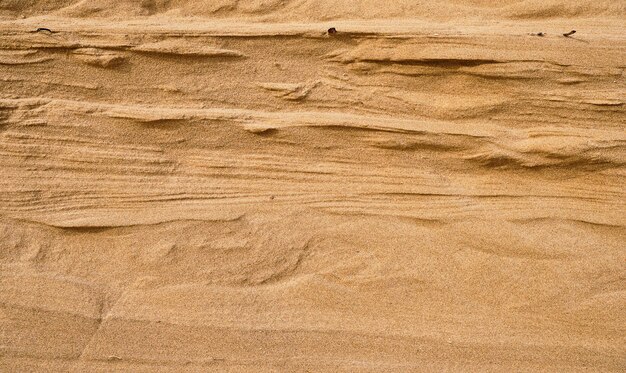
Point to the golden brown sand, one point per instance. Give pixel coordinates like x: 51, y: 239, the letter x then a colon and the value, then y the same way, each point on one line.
x: 220, y: 185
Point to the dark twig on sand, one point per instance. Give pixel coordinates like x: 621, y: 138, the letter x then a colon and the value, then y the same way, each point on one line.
x: 45, y: 29
x: 569, y: 33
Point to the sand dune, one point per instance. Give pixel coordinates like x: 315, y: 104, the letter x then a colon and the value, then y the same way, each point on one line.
x: 194, y: 185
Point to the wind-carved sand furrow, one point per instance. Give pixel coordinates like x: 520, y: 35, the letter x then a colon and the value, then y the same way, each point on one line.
x: 99, y: 57
x: 92, y: 145
x: 605, y: 103
x: 446, y: 63
x: 515, y: 253
x: 82, y: 229
x: 472, y: 65
x: 22, y: 57
x: 569, y: 153
x: 97, y: 155
x: 290, y: 91
x: 185, y: 48
x: 543, y: 221
x: 450, y: 208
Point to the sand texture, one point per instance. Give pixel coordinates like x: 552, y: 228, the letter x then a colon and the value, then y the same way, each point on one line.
x: 222, y: 186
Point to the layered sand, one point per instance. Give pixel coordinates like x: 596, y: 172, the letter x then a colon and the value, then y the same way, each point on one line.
x: 222, y: 186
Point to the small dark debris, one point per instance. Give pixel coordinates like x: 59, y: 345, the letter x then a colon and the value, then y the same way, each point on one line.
x: 538, y: 34
x: 45, y: 29
x: 569, y: 33
x: 332, y: 30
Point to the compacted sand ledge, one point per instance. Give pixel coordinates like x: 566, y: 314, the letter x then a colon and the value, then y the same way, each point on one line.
x: 222, y: 186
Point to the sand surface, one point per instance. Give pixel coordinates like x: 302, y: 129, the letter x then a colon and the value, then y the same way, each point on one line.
x: 221, y: 185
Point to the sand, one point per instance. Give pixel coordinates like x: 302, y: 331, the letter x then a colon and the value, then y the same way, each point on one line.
x: 221, y: 185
